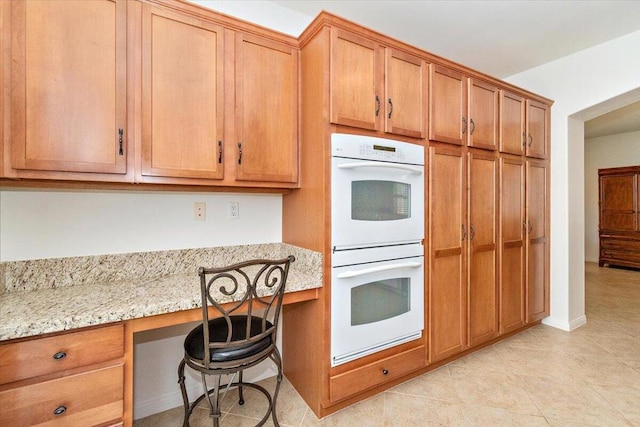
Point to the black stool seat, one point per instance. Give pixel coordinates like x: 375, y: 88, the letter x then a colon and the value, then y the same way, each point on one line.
x: 218, y: 332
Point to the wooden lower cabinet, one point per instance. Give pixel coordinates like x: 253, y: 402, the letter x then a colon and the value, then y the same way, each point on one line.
x: 512, y: 243
x: 75, y: 378
x: 537, y: 240
x: 376, y: 373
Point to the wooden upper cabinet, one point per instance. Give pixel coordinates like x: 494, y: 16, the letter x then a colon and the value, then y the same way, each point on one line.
x: 405, y: 90
x: 483, y: 115
x: 447, y: 105
x: 512, y: 123
x: 266, y: 110
x: 538, y: 130
x: 355, y: 75
x: 68, y: 98
x: 182, y: 96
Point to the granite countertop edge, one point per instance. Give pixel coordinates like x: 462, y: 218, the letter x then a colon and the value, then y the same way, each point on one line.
x: 35, y: 312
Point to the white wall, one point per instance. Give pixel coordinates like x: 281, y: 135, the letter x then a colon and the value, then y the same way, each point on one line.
x: 577, y: 82
x: 39, y: 224
x: 604, y: 152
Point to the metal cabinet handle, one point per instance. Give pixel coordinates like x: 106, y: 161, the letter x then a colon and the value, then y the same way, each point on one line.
x: 524, y: 227
x: 390, y: 108
x: 473, y: 127
x: 464, y: 232
x: 220, y: 151
x: 472, y: 233
x: 377, y: 105
x: 530, y: 140
x: 524, y: 139
x: 120, y: 141
x: 60, y: 410
x: 464, y: 125
x: 239, y: 153
x: 60, y: 355
x: 530, y: 227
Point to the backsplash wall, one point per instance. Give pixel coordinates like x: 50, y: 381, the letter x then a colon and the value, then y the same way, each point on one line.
x: 38, y: 224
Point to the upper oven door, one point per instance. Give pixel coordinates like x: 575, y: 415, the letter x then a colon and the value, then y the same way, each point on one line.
x: 376, y: 203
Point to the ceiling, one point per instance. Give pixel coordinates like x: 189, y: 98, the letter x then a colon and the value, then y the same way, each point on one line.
x: 500, y: 38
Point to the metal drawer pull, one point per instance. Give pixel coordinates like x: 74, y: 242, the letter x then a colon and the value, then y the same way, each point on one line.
x: 385, y: 372
x: 464, y: 125
x: 60, y: 355
x: 60, y: 410
x: 390, y: 108
x: 416, y: 171
x: 473, y: 127
x: 377, y: 105
x: 355, y: 273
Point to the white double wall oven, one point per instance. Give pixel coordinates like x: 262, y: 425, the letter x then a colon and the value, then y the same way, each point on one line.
x: 377, y: 230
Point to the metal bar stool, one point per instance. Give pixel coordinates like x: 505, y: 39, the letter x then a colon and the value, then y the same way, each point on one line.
x: 246, y: 300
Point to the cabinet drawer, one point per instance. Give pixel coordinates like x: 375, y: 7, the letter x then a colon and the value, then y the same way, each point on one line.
x: 620, y: 245
x: 89, y: 398
x: 40, y: 356
x: 376, y: 373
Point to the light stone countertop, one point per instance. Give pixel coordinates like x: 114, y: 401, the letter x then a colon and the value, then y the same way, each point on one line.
x: 46, y: 309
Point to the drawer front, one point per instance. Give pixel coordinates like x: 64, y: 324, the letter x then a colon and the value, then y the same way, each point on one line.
x: 376, y: 373
x: 88, y: 399
x: 620, y: 245
x: 40, y: 356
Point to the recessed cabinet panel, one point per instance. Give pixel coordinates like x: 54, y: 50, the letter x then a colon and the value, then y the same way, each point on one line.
x: 69, y: 94
x: 512, y: 124
x: 266, y: 110
x: 617, y: 205
x: 405, y: 103
x: 182, y: 96
x: 447, y: 105
x: 354, y: 76
x: 483, y: 115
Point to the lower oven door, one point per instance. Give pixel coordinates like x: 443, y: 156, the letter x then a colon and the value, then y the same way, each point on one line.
x: 375, y: 306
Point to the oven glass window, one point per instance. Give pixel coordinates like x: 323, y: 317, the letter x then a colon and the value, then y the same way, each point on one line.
x: 380, y: 300
x: 373, y: 200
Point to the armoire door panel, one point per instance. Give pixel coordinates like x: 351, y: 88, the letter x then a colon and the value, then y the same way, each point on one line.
x: 617, y: 209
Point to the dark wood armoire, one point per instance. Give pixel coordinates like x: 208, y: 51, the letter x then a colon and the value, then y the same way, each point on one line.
x: 620, y: 216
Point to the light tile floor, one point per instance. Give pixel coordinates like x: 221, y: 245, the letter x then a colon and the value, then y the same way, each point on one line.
x: 540, y: 377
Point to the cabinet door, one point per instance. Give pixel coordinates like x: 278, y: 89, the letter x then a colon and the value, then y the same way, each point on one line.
x: 482, y: 291
x: 182, y: 96
x: 405, y: 94
x: 617, y: 204
x: 512, y: 244
x: 537, y: 241
x: 447, y: 105
x: 537, y: 130
x: 512, y: 124
x: 68, y: 98
x: 266, y: 110
x: 447, y: 236
x: 355, y: 77
x: 483, y: 115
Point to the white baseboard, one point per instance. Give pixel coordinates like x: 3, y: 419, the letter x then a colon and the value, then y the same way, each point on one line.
x: 564, y: 325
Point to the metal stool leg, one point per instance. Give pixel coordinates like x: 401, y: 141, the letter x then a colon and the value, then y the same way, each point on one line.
x: 214, y: 403
x: 240, y: 395
x: 183, y: 389
x: 275, y: 356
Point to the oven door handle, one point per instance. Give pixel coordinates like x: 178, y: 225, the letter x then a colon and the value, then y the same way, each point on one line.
x: 355, y: 165
x: 356, y: 273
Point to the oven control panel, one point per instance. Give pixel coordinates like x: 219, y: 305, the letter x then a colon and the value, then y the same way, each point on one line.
x: 376, y: 149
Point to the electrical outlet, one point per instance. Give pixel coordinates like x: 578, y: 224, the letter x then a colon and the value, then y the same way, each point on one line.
x: 234, y: 210
x: 199, y: 211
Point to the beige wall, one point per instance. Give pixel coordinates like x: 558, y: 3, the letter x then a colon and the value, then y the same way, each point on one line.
x: 603, y: 152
